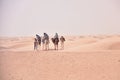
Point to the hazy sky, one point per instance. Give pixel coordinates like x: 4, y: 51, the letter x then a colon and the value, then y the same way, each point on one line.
x: 67, y: 17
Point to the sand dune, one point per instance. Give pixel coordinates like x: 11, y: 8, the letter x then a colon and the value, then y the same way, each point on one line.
x: 95, y: 43
x: 84, y: 58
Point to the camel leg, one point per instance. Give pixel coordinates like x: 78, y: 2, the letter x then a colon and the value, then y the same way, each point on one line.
x: 43, y: 47
x: 54, y: 47
x: 47, y: 46
x: 62, y: 45
x: 57, y: 47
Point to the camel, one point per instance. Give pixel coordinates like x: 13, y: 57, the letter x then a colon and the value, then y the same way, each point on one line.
x: 55, y: 42
x: 45, y: 45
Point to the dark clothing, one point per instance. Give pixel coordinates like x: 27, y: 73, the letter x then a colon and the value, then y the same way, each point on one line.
x: 46, y: 36
x: 56, y: 40
x: 39, y: 39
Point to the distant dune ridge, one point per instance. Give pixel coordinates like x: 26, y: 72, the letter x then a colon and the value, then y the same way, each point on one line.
x: 96, y: 43
x: 83, y: 58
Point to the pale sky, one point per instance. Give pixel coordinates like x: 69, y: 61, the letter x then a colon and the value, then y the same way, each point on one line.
x: 66, y: 17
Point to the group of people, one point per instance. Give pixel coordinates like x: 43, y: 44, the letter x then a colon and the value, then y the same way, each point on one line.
x: 44, y: 41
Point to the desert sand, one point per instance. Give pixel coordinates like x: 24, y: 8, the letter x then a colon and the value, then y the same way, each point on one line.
x: 84, y: 58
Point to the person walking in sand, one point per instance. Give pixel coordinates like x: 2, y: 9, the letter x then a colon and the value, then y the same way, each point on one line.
x: 35, y: 44
x: 62, y: 40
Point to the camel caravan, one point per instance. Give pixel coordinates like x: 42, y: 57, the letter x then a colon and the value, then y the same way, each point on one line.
x: 45, y: 41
